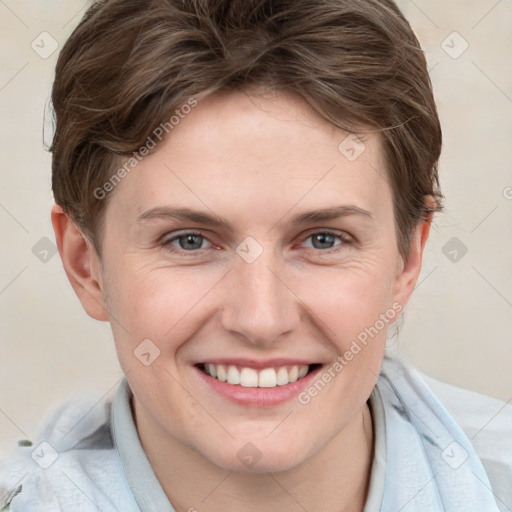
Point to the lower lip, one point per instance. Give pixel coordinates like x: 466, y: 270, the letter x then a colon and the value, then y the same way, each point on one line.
x: 258, y: 397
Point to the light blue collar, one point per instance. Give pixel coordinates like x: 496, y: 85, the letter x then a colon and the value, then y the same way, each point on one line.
x: 142, y: 480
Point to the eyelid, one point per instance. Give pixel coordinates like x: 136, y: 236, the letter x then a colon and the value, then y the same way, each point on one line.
x: 328, y: 231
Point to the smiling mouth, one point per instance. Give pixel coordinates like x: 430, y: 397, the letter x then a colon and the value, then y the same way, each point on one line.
x: 252, y: 378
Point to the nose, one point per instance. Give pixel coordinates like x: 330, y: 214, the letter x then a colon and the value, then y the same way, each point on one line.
x: 259, y: 303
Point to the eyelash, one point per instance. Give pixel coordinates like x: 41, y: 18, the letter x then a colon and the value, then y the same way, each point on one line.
x: 345, y: 240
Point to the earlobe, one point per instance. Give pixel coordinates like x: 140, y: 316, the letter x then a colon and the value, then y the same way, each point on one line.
x: 81, y: 264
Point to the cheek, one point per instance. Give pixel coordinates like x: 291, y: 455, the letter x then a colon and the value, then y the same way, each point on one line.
x: 158, y: 303
x: 355, y: 312
x: 348, y: 301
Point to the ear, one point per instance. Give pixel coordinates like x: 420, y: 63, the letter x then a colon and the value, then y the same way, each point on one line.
x: 81, y: 264
x: 406, y: 278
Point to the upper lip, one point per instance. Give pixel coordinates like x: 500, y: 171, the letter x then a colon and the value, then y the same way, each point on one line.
x: 257, y: 363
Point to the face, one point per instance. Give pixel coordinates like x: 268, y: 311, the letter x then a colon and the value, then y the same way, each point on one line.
x: 249, y: 247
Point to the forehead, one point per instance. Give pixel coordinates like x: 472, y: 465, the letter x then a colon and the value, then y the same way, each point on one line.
x: 265, y: 154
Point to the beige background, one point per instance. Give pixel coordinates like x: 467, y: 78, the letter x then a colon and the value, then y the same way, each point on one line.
x: 457, y: 325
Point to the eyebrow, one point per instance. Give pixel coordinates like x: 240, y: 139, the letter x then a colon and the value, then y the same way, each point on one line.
x: 309, y: 217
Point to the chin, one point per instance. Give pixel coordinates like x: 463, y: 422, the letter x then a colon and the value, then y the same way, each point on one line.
x: 258, y: 457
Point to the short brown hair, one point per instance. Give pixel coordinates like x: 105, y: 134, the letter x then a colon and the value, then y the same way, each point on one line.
x: 130, y: 63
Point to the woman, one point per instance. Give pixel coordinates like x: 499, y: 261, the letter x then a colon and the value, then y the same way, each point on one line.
x: 244, y: 191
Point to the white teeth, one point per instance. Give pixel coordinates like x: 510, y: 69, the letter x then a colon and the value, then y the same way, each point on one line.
x: 221, y: 373
x: 251, y: 378
x: 233, y: 375
x: 267, y: 378
x: 303, y: 370
x: 282, y: 376
x: 212, y: 370
x: 248, y: 378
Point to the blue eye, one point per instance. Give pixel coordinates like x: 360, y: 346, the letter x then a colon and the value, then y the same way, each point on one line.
x: 325, y: 240
x: 187, y: 241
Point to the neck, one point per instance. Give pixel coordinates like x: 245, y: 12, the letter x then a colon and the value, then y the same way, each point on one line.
x: 335, y: 479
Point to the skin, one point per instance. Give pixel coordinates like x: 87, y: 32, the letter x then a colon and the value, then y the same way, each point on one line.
x: 256, y: 161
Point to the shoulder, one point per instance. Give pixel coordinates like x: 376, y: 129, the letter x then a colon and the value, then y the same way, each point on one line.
x: 487, y: 422
x: 481, y: 416
x: 72, y: 461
